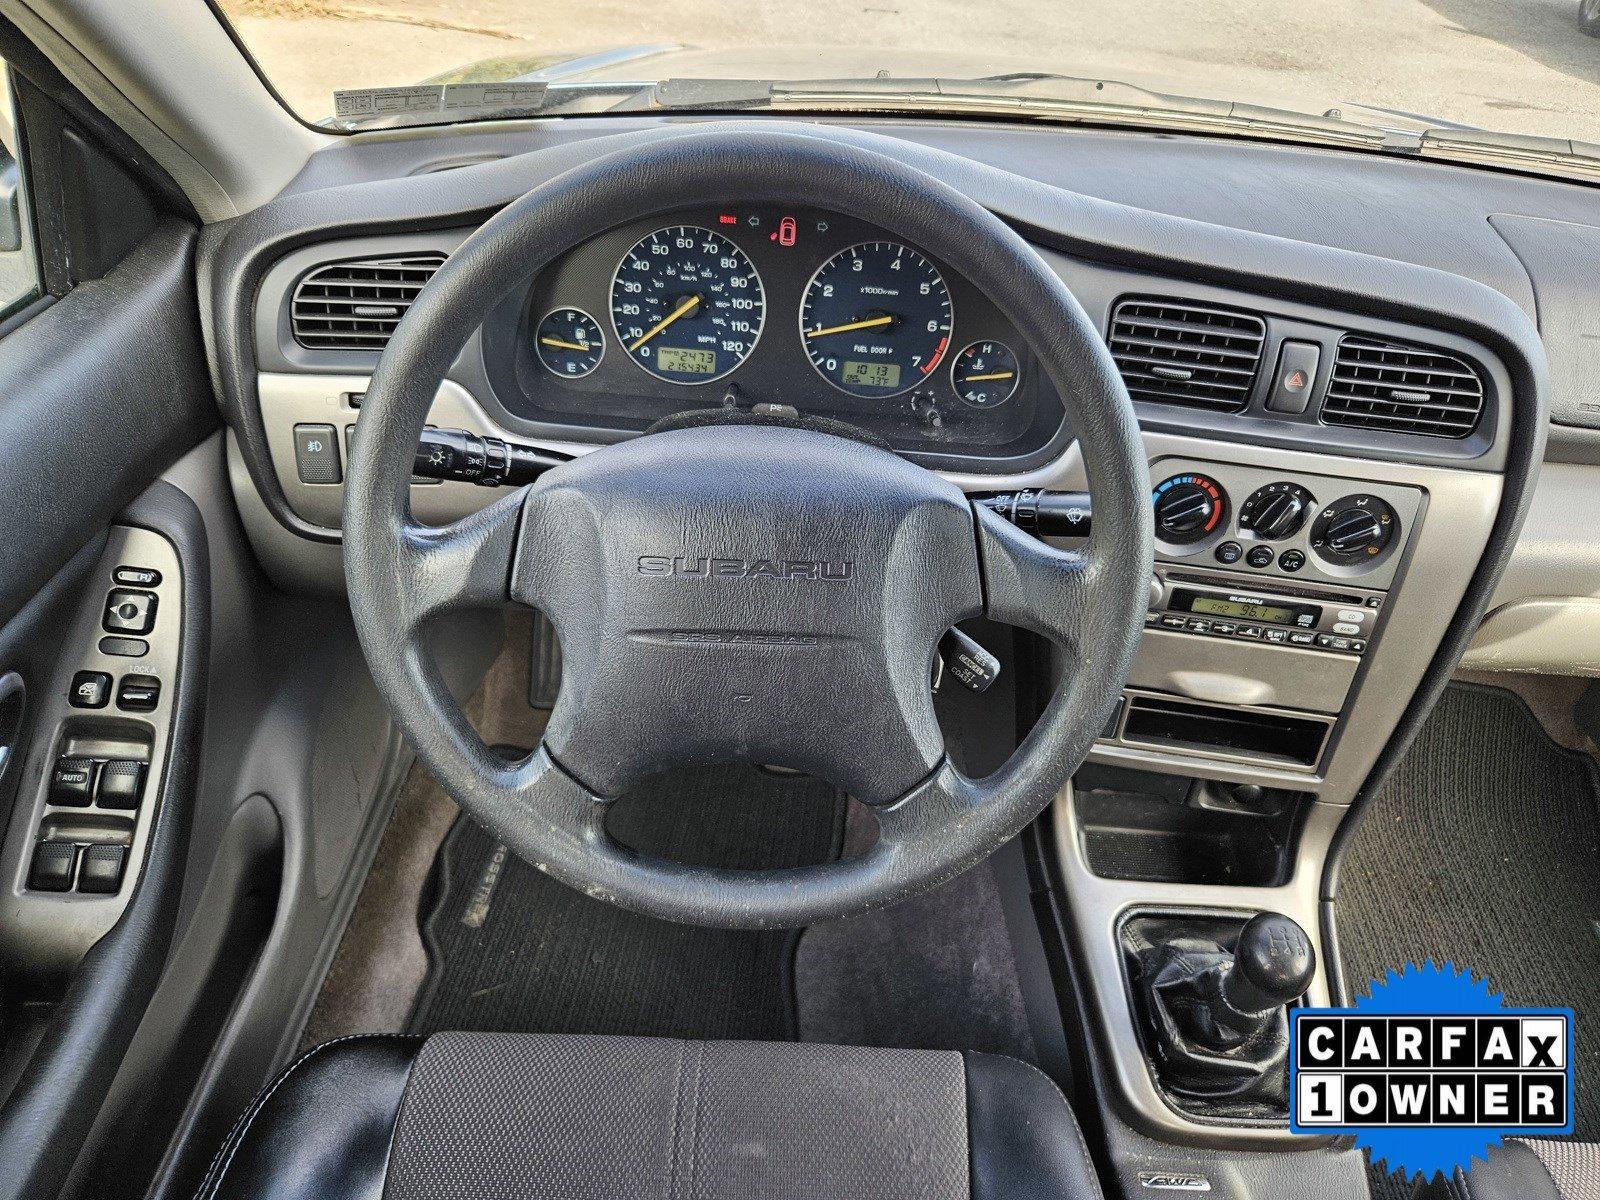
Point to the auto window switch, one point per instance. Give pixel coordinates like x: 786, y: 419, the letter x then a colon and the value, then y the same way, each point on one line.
x: 53, y: 864
x: 129, y: 611
x: 72, y: 782
x: 120, y: 783
x: 138, y: 693
x: 102, y: 869
x: 90, y: 689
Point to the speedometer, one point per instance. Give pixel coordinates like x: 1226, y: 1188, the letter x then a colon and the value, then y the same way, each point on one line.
x: 876, y: 318
x: 687, y: 304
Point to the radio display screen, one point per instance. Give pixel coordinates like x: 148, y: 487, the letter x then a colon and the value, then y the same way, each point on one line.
x: 1239, y: 610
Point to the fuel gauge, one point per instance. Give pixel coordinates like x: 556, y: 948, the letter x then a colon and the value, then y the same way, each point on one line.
x: 569, y: 343
x: 985, y: 374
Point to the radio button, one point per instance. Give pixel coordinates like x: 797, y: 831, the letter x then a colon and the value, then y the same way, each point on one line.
x: 1276, y: 636
x: 1329, y: 641
x: 1249, y: 631
x: 1195, y: 625
x: 1173, y: 622
x: 1224, y: 628
x: 1228, y: 553
x: 1359, y: 645
x: 1346, y: 627
x: 1356, y: 615
x: 1301, y: 638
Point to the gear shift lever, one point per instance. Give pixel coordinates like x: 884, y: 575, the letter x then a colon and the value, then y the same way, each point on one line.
x: 1217, y: 1017
x: 1273, y: 963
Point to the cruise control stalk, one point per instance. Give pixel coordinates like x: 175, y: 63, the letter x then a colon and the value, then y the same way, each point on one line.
x: 1052, y: 514
x: 462, y: 457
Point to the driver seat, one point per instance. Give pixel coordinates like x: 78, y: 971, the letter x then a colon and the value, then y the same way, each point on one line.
x: 500, y: 1116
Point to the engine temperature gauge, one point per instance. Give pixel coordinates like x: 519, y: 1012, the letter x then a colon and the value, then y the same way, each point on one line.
x: 985, y: 374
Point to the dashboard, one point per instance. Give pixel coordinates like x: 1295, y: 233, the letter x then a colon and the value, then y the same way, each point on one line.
x: 801, y: 310
x: 1341, y: 442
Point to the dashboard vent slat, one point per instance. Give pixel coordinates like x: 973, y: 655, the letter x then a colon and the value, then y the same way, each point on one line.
x: 356, y: 304
x: 1178, y: 352
x: 1396, y: 386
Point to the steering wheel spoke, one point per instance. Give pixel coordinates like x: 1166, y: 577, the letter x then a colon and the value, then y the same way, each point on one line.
x: 466, y: 564
x: 1035, y: 585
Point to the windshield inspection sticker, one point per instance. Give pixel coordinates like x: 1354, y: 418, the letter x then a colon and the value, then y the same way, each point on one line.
x: 1430, y: 1070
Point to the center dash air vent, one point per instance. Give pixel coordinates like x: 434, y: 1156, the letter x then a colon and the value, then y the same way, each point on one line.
x: 1379, y: 384
x: 355, y: 305
x: 1177, y: 352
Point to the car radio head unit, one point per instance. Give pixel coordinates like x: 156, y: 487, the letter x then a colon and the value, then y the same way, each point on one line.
x: 1340, y: 622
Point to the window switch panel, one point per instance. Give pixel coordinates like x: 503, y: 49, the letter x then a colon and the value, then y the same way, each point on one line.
x: 120, y: 784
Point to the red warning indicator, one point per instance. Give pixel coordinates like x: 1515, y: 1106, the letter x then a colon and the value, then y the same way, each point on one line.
x: 727, y: 219
x: 786, y: 232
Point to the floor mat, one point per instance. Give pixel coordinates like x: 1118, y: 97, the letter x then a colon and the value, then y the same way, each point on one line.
x: 1484, y: 849
x: 867, y: 981
x: 513, y: 949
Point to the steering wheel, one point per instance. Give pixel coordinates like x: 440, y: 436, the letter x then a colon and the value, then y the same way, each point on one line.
x: 831, y: 568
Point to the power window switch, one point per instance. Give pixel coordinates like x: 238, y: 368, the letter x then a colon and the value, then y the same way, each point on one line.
x: 102, y: 869
x: 90, y: 689
x: 316, y: 454
x: 138, y: 693
x: 120, y: 783
x: 129, y: 611
x: 72, y: 782
x: 52, y: 868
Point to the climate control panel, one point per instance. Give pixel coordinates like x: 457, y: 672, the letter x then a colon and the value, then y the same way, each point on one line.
x: 1302, y: 527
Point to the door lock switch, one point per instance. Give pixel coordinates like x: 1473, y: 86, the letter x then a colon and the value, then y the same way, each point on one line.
x: 138, y: 693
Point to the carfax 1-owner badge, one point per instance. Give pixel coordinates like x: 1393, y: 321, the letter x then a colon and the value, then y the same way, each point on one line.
x: 1431, y: 1070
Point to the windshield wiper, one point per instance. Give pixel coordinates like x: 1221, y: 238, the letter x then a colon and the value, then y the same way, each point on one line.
x: 1077, y: 100
x: 1022, y: 95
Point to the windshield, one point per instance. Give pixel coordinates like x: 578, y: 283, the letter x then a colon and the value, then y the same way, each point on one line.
x: 1447, y: 76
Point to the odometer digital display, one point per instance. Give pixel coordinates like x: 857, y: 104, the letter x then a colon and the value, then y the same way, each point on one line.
x: 675, y: 360
x: 875, y: 320
x: 687, y: 304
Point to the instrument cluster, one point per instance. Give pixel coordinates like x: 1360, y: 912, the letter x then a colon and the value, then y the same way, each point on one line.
x: 797, y: 310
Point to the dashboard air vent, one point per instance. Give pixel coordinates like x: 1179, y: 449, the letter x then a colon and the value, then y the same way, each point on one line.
x: 355, y: 305
x: 1177, y: 352
x: 1402, y: 388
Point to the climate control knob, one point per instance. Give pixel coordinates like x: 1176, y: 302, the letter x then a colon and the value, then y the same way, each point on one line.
x: 1188, y: 508
x: 1354, y: 530
x: 1276, y: 511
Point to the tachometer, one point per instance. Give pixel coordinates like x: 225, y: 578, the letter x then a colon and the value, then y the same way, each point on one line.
x: 876, y: 319
x: 687, y: 304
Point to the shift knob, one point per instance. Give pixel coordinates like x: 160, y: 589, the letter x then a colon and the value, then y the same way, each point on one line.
x: 1272, y: 964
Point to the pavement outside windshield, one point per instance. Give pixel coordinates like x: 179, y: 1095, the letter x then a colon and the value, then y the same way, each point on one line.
x: 1516, y: 66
